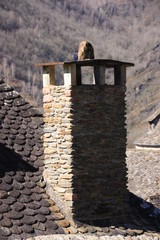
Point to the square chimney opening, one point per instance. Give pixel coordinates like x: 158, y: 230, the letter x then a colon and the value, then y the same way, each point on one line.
x: 87, y: 76
x: 59, y: 80
x: 109, y: 76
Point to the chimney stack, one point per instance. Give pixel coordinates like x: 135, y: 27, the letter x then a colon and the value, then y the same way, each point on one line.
x: 85, y: 140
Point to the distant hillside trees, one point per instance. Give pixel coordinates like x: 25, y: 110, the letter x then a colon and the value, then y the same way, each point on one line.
x: 34, y: 31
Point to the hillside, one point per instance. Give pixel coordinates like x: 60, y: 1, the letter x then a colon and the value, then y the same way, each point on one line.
x: 143, y: 92
x: 34, y: 31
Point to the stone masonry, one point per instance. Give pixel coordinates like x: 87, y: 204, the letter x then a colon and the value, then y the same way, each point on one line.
x: 84, y: 147
x: 144, y: 174
x: 93, y: 237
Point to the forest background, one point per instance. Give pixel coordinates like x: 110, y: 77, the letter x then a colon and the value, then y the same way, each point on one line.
x: 33, y: 31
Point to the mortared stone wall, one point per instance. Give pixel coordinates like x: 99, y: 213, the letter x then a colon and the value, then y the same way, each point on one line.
x: 144, y: 174
x: 84, y: 150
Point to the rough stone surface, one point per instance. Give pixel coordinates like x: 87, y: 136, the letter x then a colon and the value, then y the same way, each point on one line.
x: 26, y: 209
x: 22, y: 205
x: 80, y: 163
x: 94, y: 237
x: 144, y: 174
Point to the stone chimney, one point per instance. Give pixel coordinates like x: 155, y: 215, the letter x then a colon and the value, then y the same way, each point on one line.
x: 85, y: 140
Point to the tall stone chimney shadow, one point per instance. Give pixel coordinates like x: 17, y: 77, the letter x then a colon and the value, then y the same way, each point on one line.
x: 98, y: 156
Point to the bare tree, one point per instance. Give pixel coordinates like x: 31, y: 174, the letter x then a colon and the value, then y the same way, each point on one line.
x: 13, y: 70
x: 5, y: 70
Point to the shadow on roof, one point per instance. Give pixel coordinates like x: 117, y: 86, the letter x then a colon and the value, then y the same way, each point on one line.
x: 11, y: 161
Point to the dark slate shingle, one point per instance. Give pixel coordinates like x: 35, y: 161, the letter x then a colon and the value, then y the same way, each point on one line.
x: 24, y: 205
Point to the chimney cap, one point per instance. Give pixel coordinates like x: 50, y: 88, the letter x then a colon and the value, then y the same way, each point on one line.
x: 108, y: 63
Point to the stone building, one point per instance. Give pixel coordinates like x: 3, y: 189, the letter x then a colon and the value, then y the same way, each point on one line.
x: 85, y: 144
x: 85, y: 141
x: 144, y: 164
x: 65, y: 171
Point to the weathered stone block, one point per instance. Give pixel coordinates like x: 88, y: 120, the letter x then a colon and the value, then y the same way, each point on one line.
x: 70, y: 197
x: 47, y: 106
x: 60, y: 189
x: 49, y: 150
x: 46, y: 90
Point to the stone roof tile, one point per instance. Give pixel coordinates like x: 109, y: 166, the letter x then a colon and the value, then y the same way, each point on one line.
x: 23, y: 201
x: 26, y: 209
x: 23, y: 208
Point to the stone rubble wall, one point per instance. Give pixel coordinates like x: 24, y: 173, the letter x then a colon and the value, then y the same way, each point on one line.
x: 84, y: 147
x: 57, y: 145
x: 94, y: 237
x: 144, y: 174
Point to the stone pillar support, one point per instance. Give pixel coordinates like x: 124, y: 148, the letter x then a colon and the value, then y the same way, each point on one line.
x: 48, y: 75
x: 70, y: 74
x: 99, y: 74
x: 120, y: 75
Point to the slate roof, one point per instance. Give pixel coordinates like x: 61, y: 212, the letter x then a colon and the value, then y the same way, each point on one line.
x: 25, y: 208
x: 150, y: 139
